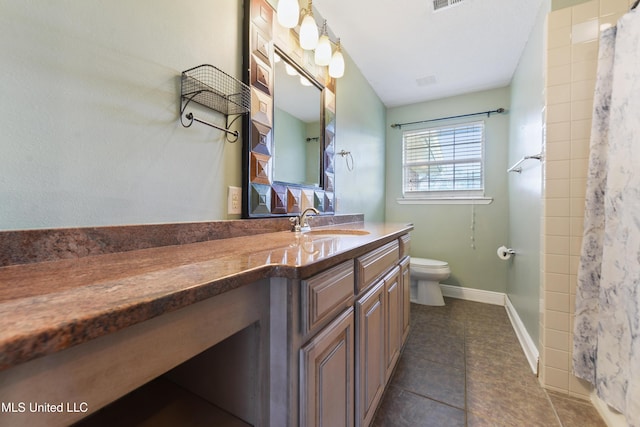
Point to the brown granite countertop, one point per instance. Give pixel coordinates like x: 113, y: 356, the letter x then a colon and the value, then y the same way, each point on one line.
x: 46, y: 307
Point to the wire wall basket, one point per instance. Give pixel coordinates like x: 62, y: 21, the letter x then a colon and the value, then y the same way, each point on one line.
x: 213, y: 88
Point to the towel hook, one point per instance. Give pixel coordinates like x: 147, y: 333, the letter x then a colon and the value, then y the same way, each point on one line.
x: 347, y: 153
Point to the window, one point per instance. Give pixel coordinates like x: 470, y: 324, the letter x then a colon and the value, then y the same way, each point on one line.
x: 443, y: 162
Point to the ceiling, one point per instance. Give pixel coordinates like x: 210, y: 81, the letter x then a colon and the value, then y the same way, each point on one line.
x: 408, y: 53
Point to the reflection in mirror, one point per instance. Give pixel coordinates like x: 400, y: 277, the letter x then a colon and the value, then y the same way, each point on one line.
x: 297, y: 129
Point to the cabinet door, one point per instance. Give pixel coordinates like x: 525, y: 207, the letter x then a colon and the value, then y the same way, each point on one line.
x: 405, y: 283
x: 393, y: 319
x: 327, y: 375
x: 370, y: 353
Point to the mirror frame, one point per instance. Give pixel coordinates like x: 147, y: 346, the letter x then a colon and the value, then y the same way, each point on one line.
x: 262, y: 196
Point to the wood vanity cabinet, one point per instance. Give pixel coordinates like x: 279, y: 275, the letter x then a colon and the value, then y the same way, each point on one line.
x: 370, y: 360
x: 312, y: 364
x: 353, y: 322
x: 327, y: 360
x: 335, y: 338
x: 327, y: 372
x: 405, y: 282
x: 379, y: 323
x: 393, y: 319
x: 378, y: 330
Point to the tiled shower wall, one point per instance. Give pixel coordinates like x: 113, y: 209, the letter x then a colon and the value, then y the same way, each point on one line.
x: 572, y: 52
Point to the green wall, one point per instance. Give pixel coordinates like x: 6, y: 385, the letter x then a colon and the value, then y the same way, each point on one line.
x: 525, y: 189
x: 288, y: 158
x: 312, y: 153
x: 360, y: 130
x: 443, y: 231
x: 90, y: 106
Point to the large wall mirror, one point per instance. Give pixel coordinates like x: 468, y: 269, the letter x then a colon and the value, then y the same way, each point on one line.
x: 289, y: 136
x: 297, y: 114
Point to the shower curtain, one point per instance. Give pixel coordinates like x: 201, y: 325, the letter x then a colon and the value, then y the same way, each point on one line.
x: 606, y: 348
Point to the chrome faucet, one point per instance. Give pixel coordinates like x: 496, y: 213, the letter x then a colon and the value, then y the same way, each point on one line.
x: 301, y: 223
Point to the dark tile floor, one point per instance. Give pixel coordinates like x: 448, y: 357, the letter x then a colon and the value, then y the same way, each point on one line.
x: 463, y: 366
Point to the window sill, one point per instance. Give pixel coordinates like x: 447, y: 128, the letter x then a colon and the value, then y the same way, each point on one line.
x: 444, y: 200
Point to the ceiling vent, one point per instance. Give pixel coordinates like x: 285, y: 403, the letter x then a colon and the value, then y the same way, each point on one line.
x: 426, y: 81
x: 443, y: 4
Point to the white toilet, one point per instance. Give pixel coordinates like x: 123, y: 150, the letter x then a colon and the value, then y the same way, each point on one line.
x: 427, y: 273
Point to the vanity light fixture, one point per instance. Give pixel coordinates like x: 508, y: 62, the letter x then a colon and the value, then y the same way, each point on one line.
x: 308, y: 29
x: 322, y: 55
x: 288, y: 13
x: 336, y: 66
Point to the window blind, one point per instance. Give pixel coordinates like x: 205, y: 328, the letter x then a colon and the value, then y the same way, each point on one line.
x: 444, y: 159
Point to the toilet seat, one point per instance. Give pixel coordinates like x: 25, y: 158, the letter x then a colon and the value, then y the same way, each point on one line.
x: 429, y: 263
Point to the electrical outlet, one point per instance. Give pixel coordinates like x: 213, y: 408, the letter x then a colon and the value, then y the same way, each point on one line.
x: 234, y: 201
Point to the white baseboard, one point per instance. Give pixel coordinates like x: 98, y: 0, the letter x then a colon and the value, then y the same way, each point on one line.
x: 527, y: 344
x: 498, y: 298
x: 470, y: 294
x: 611, y: 417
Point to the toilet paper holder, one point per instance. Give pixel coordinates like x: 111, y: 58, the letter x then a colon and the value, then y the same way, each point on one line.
x: 505, y: 253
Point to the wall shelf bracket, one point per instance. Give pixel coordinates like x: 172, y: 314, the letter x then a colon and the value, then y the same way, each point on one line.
x: 214, y: 89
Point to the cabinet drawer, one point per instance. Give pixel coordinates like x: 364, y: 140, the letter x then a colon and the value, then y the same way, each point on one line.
x: 375, y: 263
x: 325, y: 295
x: 405, y: 245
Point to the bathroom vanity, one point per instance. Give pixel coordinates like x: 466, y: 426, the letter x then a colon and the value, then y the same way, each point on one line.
x: 279, y: 329
x: 345, y: 338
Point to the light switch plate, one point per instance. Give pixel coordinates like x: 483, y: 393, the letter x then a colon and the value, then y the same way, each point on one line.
x: 234, y: 200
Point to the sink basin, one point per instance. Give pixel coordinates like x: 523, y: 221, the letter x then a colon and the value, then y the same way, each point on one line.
x: 337, y: 232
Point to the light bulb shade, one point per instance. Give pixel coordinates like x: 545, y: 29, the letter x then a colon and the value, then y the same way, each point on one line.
x: 288, y: 13
x: 304, y: 81
x: 336, y: 66
x: 322, y: 55
x: 290, y: 70
x: 308, y: 33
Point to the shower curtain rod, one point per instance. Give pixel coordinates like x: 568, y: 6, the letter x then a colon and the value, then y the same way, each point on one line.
x: 488, y: 113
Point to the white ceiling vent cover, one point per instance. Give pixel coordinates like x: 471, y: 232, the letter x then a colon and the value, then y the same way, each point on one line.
x: 442, y: 4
